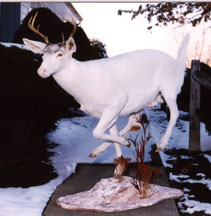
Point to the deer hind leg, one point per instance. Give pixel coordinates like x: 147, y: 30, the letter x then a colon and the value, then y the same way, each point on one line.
x: 158, y: 100
x: 174, y: 113
x: 132, y: 125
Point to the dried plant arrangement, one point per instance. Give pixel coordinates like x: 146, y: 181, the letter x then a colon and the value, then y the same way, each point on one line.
x: 144, y: 172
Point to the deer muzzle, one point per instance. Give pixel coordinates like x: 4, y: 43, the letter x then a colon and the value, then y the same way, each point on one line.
x: 42, y: 72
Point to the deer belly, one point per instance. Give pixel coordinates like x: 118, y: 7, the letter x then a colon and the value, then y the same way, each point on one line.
x: 93, y: 111
x: 137, y: 104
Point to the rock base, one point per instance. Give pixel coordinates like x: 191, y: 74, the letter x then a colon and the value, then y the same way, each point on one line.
x: 113, y: 195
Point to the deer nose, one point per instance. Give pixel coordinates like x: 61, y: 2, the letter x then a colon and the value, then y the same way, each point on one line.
x: 42, y: 72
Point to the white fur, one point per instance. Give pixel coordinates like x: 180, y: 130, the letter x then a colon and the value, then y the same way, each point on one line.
x: 117, y: 86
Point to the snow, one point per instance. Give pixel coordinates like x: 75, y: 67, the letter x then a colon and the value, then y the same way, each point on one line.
x: 180, y: 140
x: 76, y: 142
x: 186, y: 178
x: 21, y: 46
x: 208, y: 157
x: 192, y: 205
x: 26, y: 201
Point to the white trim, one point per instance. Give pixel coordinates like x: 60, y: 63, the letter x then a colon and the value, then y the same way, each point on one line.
x: 59, y: 8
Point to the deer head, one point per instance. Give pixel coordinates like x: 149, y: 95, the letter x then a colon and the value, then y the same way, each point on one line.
x: 54, y: 55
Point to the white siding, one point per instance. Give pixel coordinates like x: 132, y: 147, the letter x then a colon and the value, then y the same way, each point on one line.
x: 60, y: 9
x: 25, y: 8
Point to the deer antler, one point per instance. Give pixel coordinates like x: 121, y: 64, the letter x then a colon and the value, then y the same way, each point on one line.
x: 36, y: 30
x: 74, y: 27
x: 63, y: 41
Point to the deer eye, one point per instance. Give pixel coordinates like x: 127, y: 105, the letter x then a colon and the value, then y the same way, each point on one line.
x: 59, y: 55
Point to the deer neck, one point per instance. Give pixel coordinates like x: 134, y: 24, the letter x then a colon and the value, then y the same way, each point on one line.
x: 70, y: 79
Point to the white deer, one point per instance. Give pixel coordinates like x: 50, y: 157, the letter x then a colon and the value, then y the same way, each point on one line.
x: 117, y: 86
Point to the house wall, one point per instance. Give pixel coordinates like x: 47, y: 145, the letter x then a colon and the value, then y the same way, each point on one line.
x: 26, y: 7
x: 9, y: 20
x: 60, y: 9
x: 11, y: 15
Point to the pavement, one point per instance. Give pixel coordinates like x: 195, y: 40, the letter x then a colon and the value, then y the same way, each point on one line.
x: 87, y: 175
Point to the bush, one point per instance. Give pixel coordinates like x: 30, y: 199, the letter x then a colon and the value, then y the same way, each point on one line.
x: 28, y: 103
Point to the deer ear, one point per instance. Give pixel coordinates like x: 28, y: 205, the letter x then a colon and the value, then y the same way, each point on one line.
x: 70, y: 45
x: 34, y: 46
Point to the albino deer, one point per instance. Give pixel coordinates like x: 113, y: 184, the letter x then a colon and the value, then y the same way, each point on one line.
x: 117, y: 86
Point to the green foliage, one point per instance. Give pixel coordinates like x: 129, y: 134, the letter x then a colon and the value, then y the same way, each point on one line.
x: 16, y: 66
x: 98, y: 49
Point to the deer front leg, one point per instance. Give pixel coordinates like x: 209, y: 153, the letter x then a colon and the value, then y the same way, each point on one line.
x: 103, y: 125
x: 114, y: 131
x: 120, y: 162
x: 132, y: 125
x: 100, y: 149
x: 108, y: 119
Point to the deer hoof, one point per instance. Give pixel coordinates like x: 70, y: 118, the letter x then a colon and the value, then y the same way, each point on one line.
x: 159, y: 149
x: 127, y: 142
x: 92, y: 155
